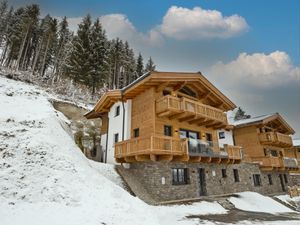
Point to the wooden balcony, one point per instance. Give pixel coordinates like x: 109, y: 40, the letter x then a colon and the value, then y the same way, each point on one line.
x: 276, y: 139
x: 191, y: 111
x: 155, y: 148
x: 269, y: 162
x: 162, y: 148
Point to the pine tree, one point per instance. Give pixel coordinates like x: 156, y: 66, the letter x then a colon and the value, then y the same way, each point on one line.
x: 139, y: 66
x: 98, y: 55
x: 240, y: 115
x: 150, y: 66
x: 79, y: 67
x: 64, y: 36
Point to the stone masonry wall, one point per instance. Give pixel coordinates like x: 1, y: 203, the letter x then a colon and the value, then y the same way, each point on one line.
x: 157, y: 179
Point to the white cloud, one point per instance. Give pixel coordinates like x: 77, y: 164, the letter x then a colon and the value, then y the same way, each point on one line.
x: 197, y: 23
x: 73, y: 23
x: 258, y: 69
x: 118, y: 25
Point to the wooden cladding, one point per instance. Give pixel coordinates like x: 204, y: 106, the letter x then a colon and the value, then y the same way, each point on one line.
x: 163, y: 148
x: 275, y: 139
x: 191, y: 111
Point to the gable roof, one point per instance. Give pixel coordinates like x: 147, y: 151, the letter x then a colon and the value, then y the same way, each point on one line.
x: 155, y: 79
x: 264, y: 119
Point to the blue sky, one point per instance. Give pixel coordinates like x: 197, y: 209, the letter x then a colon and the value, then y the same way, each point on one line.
x: 249, y: 49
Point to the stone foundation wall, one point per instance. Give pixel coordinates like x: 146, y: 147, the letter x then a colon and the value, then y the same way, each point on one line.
x: 157, y: 179
x: 295, y: 179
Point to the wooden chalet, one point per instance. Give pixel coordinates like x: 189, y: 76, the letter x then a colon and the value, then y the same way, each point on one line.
x: 172, y: 116
x: 266, y: 140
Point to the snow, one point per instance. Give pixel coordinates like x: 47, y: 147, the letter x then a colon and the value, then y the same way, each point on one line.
x: 252, y: 119
x: 252, y: 201
x: 295, y: 201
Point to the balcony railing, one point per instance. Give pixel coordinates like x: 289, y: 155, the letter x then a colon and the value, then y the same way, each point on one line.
x: 190, y: 110
x: 290, y: 162
x: 206, y: 149
x: 269, y: 161
x: 157, y: 145
x: 276, y: 139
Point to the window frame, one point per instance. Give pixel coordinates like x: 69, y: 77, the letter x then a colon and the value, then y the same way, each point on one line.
x: 224, y: 173
x: 180, y: 176
x: 171, y: 130
x: 116, y: 140
x: 270, y: 179
x: 236, y: 175
x: 285, y: 178
x: 256, y: 180
x: 136, y: 132
x: 117, y: 111
x: 223, y: 135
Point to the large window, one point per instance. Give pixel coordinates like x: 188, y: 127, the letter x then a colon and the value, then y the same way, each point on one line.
x: 256, y: 180
x: 117, y: 111
x: 236, y: 175
x: 167, y: 130
x: 179, y: 176
x: 274, y: 153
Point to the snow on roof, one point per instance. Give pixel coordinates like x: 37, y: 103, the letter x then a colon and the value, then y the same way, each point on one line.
x: 252, y: 120
x: 296, y: 142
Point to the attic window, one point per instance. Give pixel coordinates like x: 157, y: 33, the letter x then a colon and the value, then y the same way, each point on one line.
x: 188, y: 91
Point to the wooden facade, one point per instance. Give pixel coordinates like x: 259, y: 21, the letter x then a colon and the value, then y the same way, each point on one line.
x: 266, y: 140
x: 174, y: 117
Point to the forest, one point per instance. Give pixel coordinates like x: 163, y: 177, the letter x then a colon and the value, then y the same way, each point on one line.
x: 46, y: 48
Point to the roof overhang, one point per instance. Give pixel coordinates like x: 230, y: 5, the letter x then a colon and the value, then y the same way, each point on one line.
x: 158, y: 79
x: 285, y: 127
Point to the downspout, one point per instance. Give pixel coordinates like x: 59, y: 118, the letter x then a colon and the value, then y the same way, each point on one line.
x: 105, y: 159
x: 123, y: 122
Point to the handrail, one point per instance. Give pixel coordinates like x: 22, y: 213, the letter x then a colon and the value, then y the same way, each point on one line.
x: 183, y: 104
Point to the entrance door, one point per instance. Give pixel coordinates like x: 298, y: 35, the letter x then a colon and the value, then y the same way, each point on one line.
x: 282, y: 182
x: 202, y: 183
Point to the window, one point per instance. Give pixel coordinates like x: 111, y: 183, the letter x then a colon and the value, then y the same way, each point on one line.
x: 179, y: 176
x: 285, y: 178
x: 256, y: 180
x: 224, y: 175
x: 266, y: 152
x: 116, y: 138
x: 270, y: 179
x: 117, y: 112
x: 236, y: 175
x: 274, y: 153
x: 188, y: 91
x: 166, y: 92
x: 167, y: 130
x: 209, y: 139
x: 136, y: 132
x: 221, y: 135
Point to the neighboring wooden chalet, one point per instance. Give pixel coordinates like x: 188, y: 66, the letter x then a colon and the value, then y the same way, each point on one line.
x: 267, y: 141
x: 166, y: 116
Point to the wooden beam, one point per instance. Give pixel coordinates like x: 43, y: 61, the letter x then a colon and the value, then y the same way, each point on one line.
x: 179, y: 86
x: 142, y: 158
x: 213, y: 125
x: 188, y: 117
x: 199, y: 120
x: 162, y: 87
x: 205, y: 96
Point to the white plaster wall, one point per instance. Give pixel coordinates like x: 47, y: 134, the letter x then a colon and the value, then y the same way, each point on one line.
x: 103, y: 141
x: 228, y: 138
x: 115, y: 126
